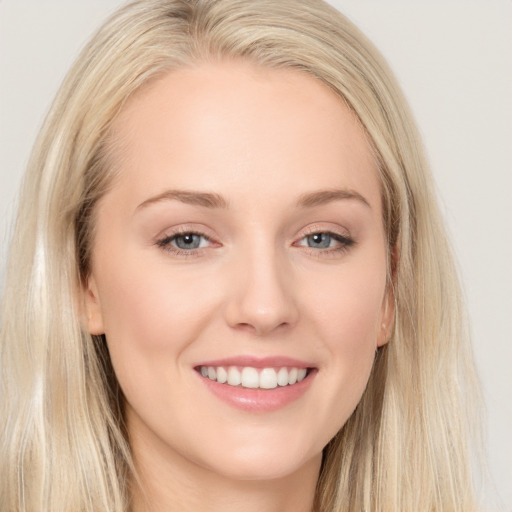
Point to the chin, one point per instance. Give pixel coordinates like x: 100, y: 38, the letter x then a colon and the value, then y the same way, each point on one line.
x: 256, y: 462
x: 264, y: 470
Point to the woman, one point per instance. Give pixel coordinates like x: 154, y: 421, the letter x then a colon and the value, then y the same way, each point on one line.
x: 229, y: 282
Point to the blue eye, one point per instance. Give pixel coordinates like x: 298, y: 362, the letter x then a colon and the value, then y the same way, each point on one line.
x: 326, y: 242
x: 319, y: 240
x: 186, y: 242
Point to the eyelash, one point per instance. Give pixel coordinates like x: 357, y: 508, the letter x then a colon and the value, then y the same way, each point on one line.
x: 345, y: 242
x: 166, y: 243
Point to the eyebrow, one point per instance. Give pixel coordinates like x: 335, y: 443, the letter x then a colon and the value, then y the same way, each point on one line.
x: 213, y: 200
x: 205, y: 199
x: 321, y: 197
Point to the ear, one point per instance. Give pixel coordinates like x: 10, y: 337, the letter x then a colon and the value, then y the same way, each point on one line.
x: 387, y: 317
x: 388, y: 304
x: 93, y: 317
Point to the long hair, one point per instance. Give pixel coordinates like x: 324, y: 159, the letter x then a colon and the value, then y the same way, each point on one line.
x: 63, y: 441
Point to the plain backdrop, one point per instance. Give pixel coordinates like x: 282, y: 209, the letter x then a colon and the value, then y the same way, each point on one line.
x: 453, y: 58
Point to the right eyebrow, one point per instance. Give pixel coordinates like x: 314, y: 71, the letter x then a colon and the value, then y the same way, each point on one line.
x: 205, y: 199
x: 321, y: 197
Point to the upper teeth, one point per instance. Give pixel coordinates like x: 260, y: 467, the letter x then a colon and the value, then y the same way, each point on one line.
x: 249, y: 377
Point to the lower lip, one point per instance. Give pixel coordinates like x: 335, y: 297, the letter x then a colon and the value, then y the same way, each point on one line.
x: 259, y: 400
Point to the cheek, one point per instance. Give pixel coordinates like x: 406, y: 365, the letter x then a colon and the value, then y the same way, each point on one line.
x: 151, y: 315
x: 351, y: 339
x: 347, y: 306
x: 346, y: 316
x: 150, y: 304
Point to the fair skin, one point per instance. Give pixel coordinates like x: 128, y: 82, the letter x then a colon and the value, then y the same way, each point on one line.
x: 244, y: 227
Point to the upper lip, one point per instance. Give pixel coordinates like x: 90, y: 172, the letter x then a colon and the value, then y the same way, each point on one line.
x: 258, y: 362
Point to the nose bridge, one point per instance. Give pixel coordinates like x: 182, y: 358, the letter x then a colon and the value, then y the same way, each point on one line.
x: 263, y: 297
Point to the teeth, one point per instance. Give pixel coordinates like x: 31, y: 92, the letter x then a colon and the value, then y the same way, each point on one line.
x: 268, y: 378
x: 282, y: 377
x: 234, y: 377
x: 222, y: 375
x: 249, y: 377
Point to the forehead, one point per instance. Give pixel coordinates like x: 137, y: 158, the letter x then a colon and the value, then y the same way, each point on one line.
x: 234, y: 127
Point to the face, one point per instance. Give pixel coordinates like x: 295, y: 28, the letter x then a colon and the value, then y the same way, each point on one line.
x: 239, y: 268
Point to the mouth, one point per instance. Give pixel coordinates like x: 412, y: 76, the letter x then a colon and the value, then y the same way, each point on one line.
x: 255, y: 384
x: 251, y: 377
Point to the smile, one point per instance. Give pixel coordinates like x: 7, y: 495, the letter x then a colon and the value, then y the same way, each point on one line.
x: 257, y: 384
x: 254, y: 378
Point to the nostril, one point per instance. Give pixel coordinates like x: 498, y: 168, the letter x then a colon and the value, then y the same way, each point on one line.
x: 259, y: 328
x: 262, y: 301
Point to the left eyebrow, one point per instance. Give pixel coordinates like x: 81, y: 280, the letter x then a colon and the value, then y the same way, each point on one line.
x: 320, y: 197
x: 205, y: 199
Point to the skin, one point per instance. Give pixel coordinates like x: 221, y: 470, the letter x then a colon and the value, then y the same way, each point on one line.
x: 262, y: 139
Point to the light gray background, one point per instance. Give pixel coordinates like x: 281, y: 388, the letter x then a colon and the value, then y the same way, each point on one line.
x: 454, y: 61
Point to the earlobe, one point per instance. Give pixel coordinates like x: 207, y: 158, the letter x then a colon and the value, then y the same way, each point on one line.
x: 388, y: 318
x: 388, y: 305
x: 92, y: 309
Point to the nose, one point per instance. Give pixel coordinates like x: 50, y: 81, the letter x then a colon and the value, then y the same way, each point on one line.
x: 262, y: 299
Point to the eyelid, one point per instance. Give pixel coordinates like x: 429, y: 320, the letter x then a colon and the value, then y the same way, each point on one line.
x: 171, y: 238
x: 183, y: 229
x: 323, y: 228
x: 342, y: 235
x: 163, y: 240
x: 342, y: 239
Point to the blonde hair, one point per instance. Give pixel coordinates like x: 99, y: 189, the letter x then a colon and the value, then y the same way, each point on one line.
x: 64, y: 447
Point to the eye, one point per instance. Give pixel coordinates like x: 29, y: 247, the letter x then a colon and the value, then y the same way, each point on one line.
x: 319, y: 240
x: 326, y: 241
x: 185, y: 242
x: 189, y: 241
